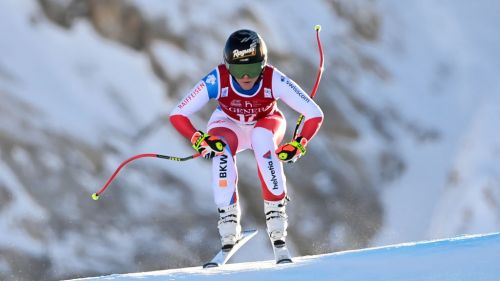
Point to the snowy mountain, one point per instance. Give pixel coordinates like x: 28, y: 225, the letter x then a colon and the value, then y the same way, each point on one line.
x: 409, y: 149
x: 468, y: 258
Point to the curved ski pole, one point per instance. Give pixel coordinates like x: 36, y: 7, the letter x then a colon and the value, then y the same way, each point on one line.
x: 96, y: 195
x: 318, y: 77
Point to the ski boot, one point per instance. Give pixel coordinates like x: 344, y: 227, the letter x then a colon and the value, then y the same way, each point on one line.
x: 277, y: 223
x: 229, y: 226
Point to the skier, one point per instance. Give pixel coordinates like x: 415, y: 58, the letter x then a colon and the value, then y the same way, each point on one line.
x: 247, y: 117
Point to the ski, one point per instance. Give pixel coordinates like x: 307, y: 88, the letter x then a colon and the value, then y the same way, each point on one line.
x: 281, y: 253
x: 223, y: 256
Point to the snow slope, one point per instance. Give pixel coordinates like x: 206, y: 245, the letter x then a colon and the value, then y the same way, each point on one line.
x: 465, y: 258
x: 73, y: 103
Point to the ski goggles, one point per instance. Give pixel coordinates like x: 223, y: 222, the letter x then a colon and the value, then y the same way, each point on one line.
x: 239, y: 70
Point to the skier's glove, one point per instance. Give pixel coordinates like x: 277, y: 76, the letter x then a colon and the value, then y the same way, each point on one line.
x: 209, y: 146
x: 292, y: 151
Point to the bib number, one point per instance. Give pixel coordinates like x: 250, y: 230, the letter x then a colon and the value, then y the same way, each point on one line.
x: 247, y: 118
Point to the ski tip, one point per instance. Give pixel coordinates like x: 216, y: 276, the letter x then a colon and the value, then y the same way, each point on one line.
x: 284, y: 261
x: 210, y: 265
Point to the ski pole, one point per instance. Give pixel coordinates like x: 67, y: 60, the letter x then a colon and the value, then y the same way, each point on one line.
x: 96, y: 195
x: 318, y: 77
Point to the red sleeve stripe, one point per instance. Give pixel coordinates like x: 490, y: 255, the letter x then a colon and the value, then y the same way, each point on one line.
x: 311, y: 127
x: 183, y: 125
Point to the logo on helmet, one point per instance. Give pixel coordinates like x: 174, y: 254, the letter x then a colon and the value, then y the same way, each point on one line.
x: 241, y: 54
x: 251, y: 51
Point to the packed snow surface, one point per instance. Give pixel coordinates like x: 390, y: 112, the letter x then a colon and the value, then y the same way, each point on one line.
x: 473, y: 257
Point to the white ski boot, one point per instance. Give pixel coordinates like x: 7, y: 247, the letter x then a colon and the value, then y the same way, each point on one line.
x: 277, y: 223
x: 229, y: 226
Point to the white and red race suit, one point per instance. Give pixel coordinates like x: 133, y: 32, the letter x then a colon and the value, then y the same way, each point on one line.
x: 247, y: 119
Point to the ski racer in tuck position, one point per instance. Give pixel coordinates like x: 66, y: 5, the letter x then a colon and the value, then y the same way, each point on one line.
x: 247, y: 117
